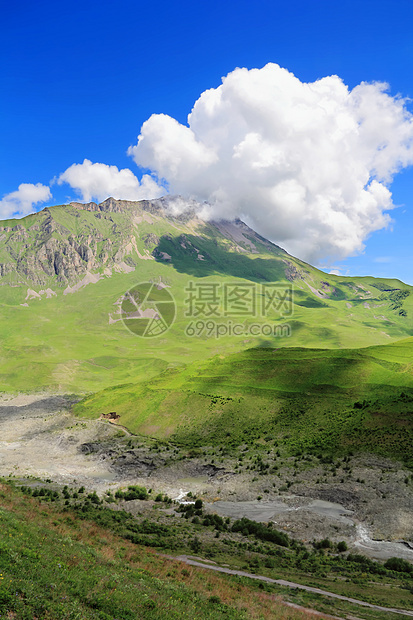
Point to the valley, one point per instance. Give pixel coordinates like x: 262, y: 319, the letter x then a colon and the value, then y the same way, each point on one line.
x: 360, y: 499
x: 275, y: 395
x: 98, y: 473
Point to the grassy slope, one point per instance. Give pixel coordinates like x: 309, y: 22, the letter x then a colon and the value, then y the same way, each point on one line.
x: 307, y: 399
x: 54, y: 565
x: 83, y: 568
x: 67, y: 343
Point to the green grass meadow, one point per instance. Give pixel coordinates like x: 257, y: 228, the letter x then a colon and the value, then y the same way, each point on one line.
x: 67, y: 342
x: 306, y: 399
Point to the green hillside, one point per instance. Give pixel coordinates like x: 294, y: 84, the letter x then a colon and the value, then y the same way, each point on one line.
x: 304, y: 399
x: 64, y: 272
x: 100, y: 562
x: 84, y: 570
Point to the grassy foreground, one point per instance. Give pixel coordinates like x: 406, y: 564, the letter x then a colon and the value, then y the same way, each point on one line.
x: 86, y: 560
x: 56, y: 566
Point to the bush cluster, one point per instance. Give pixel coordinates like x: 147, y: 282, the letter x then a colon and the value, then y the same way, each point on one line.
x: 261, y: 531
x: 133, y: 492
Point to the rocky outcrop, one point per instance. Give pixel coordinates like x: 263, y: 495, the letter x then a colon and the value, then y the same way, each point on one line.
x: 6, y: 268
x: 49, y: 251
x: 61, y: 258
x: 292, y: 273
x: 150, y: 239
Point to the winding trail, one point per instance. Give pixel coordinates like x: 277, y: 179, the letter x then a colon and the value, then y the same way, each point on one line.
x: 288, y: 584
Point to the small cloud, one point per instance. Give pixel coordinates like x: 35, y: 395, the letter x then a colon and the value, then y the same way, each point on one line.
x: 335, y: 272
x: 383, y: 259
x: 99, y: 181
x: 22, y: 201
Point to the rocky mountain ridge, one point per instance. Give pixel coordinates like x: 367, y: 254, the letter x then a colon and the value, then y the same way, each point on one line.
x: 61, y: 245
x: 65, y: 248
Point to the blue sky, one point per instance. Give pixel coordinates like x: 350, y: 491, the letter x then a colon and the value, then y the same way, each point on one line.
x: 80, y: 79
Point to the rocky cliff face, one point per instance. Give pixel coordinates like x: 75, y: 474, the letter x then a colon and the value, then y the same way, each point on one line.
x: 43, y: 249
x: 48, y: 250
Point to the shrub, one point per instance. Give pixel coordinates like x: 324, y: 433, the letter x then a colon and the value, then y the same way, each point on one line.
x: 261, y: 531
x: 133, y: 492
x: 325, y: 543
x: 399, y: 565
x: 94, y: 498
x: 214, y: 599
x: 195, y: 545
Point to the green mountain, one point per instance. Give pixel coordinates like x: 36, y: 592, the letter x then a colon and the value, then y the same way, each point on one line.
x: 233, y: 357
x: 64, y: 273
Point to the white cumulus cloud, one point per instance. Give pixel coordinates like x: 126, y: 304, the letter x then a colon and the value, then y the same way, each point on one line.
x: 308, y: 165
x: 99, y: 181
x: 22, y: 201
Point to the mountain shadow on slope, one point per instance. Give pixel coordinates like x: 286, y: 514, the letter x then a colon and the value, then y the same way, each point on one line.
x: 202, y: 256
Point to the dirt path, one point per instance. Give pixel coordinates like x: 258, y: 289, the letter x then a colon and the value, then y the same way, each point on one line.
x: 289, y: 584
x: 313, y: 612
